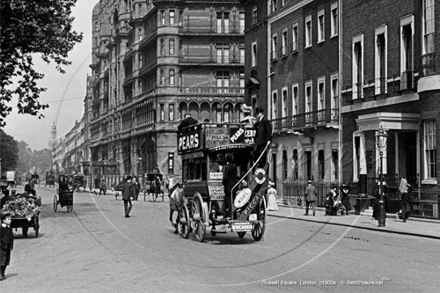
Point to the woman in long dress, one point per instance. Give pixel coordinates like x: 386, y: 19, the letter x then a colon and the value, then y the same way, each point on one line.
x: 272, y: 197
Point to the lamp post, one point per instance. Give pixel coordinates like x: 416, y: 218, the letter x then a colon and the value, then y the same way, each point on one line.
x: 381, y: 139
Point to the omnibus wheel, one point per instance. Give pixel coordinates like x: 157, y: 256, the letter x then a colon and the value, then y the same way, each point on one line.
x: 260, y: 227
x: 198, y: 212
x: 55, y: 203
x: 241, y: 234
x: 184, y: 221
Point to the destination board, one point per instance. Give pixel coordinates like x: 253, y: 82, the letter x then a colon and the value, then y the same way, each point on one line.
x: 216, y: 136
x: 216, y: 191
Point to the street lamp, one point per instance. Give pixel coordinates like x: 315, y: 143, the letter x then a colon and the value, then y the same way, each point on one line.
x: 381, y: 139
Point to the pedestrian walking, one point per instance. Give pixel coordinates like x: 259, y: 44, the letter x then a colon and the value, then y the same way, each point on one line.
x: 404, y: 198
x: 272, y: 195
x: 102, y: 187
x: 7, y: 243
x: 263, y: 137
x: 310, y: 197
x: 128, y: 193
x: 345, y: 189
x: 137, y: 188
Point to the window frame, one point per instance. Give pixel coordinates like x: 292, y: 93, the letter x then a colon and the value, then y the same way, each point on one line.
x: 321, y: 26
x: 295, y: 37
x: 359, y: 39
x: 382, y: 30
x: 430, y: 145
x: 308, y: 28
x: 334, y: 20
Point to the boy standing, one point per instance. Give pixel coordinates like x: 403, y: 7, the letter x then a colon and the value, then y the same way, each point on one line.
x: 7, y: 243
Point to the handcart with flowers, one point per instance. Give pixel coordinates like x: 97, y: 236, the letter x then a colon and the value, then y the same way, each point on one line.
x: 205, y: 149
x: 24, y: 212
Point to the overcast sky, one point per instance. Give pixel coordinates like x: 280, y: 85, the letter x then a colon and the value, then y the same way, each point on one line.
x: 65, y: 92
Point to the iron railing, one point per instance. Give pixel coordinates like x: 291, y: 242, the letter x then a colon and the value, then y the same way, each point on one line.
x: 302, y: 120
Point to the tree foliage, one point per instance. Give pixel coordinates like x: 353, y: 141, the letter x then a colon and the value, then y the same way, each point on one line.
x: 8, y: 152
x: 32, y: 27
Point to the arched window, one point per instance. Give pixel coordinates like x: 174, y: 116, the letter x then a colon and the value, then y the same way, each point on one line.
x: 204, y: 112
x: 284, y: 164
x: 227, y: 112
x: 182, y: 110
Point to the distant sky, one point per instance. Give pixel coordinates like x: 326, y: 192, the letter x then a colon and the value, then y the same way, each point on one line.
x: 65, y: 92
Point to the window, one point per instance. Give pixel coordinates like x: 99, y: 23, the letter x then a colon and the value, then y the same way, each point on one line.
x: 140, y: 34
x: 358, y: 65
x: 284, y: 164
x: 428, y: 31
x: 162, y: 47
x: 223, y: 82
x: 381, y: 61
x: 254, y: 54
x: 162, y: 77
x: 172, y: 46
x: 222, y: 53
x: 295, y: 164
x: 274, y: 105
x: 321, y: 31
x: 283, y: 3
x: 162, y: 112
x: 241, y: 15
x: 406, y: 53
x: 430, y: 149
x: 180, y: 17
x: 334, y: 20
x: 171, y: 163
x: 295, y: 37
x: 242, y: 82
x: 321, y: 99
x: 162, y: 17
x: 273, y: 5
x: 172, y: 17
x: 284, y: 103
x: 141, y: 60
x: 334, y: 95
x: 308, y: 33
x: 172, y: 75
x: 321, y: 164
x: 223, y: 22
x: 284, y: 43
x: 294, y: 103
x: 308, y: 100
x: 171, y: 112
x: 254, y: 19
x: 242, y: 55
x: 274, y: 46
x: 428, y: 26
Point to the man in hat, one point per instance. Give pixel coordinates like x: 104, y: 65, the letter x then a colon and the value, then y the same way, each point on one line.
x: 128, y: 193
x: 263, y: 137
x: 310, y: 197
x: 188, y: 121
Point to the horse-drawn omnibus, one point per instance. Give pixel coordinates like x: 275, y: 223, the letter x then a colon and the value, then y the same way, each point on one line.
x: 203, y: 148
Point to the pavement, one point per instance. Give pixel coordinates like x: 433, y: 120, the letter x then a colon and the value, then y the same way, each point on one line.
x: 428, y: 228
x: 413, y: 226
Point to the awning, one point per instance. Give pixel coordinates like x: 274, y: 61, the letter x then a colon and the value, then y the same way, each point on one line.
x: 253, y: 82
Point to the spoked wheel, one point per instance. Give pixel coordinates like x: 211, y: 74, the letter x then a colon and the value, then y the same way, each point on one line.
x: 241, y: 234
x: 260, y: 227
x: 184, y: 221
x: 55, y: 203
x: 197, y: 213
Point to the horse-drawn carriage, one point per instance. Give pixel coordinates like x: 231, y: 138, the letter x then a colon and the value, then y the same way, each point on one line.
x: 203, y: 148
x: 154, y: 186
x: 50, y: 179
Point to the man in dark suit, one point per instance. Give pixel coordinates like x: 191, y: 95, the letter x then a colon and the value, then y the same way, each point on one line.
x: 128, y: 193
x: 188, y: 121
x: 229, y: 180
x: 264, y: 136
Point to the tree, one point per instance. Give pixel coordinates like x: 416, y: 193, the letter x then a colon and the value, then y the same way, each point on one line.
x: 8, y: 152
x: 32, y: 27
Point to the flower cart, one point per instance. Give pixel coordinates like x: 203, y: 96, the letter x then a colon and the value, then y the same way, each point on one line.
x: 24, y: 213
